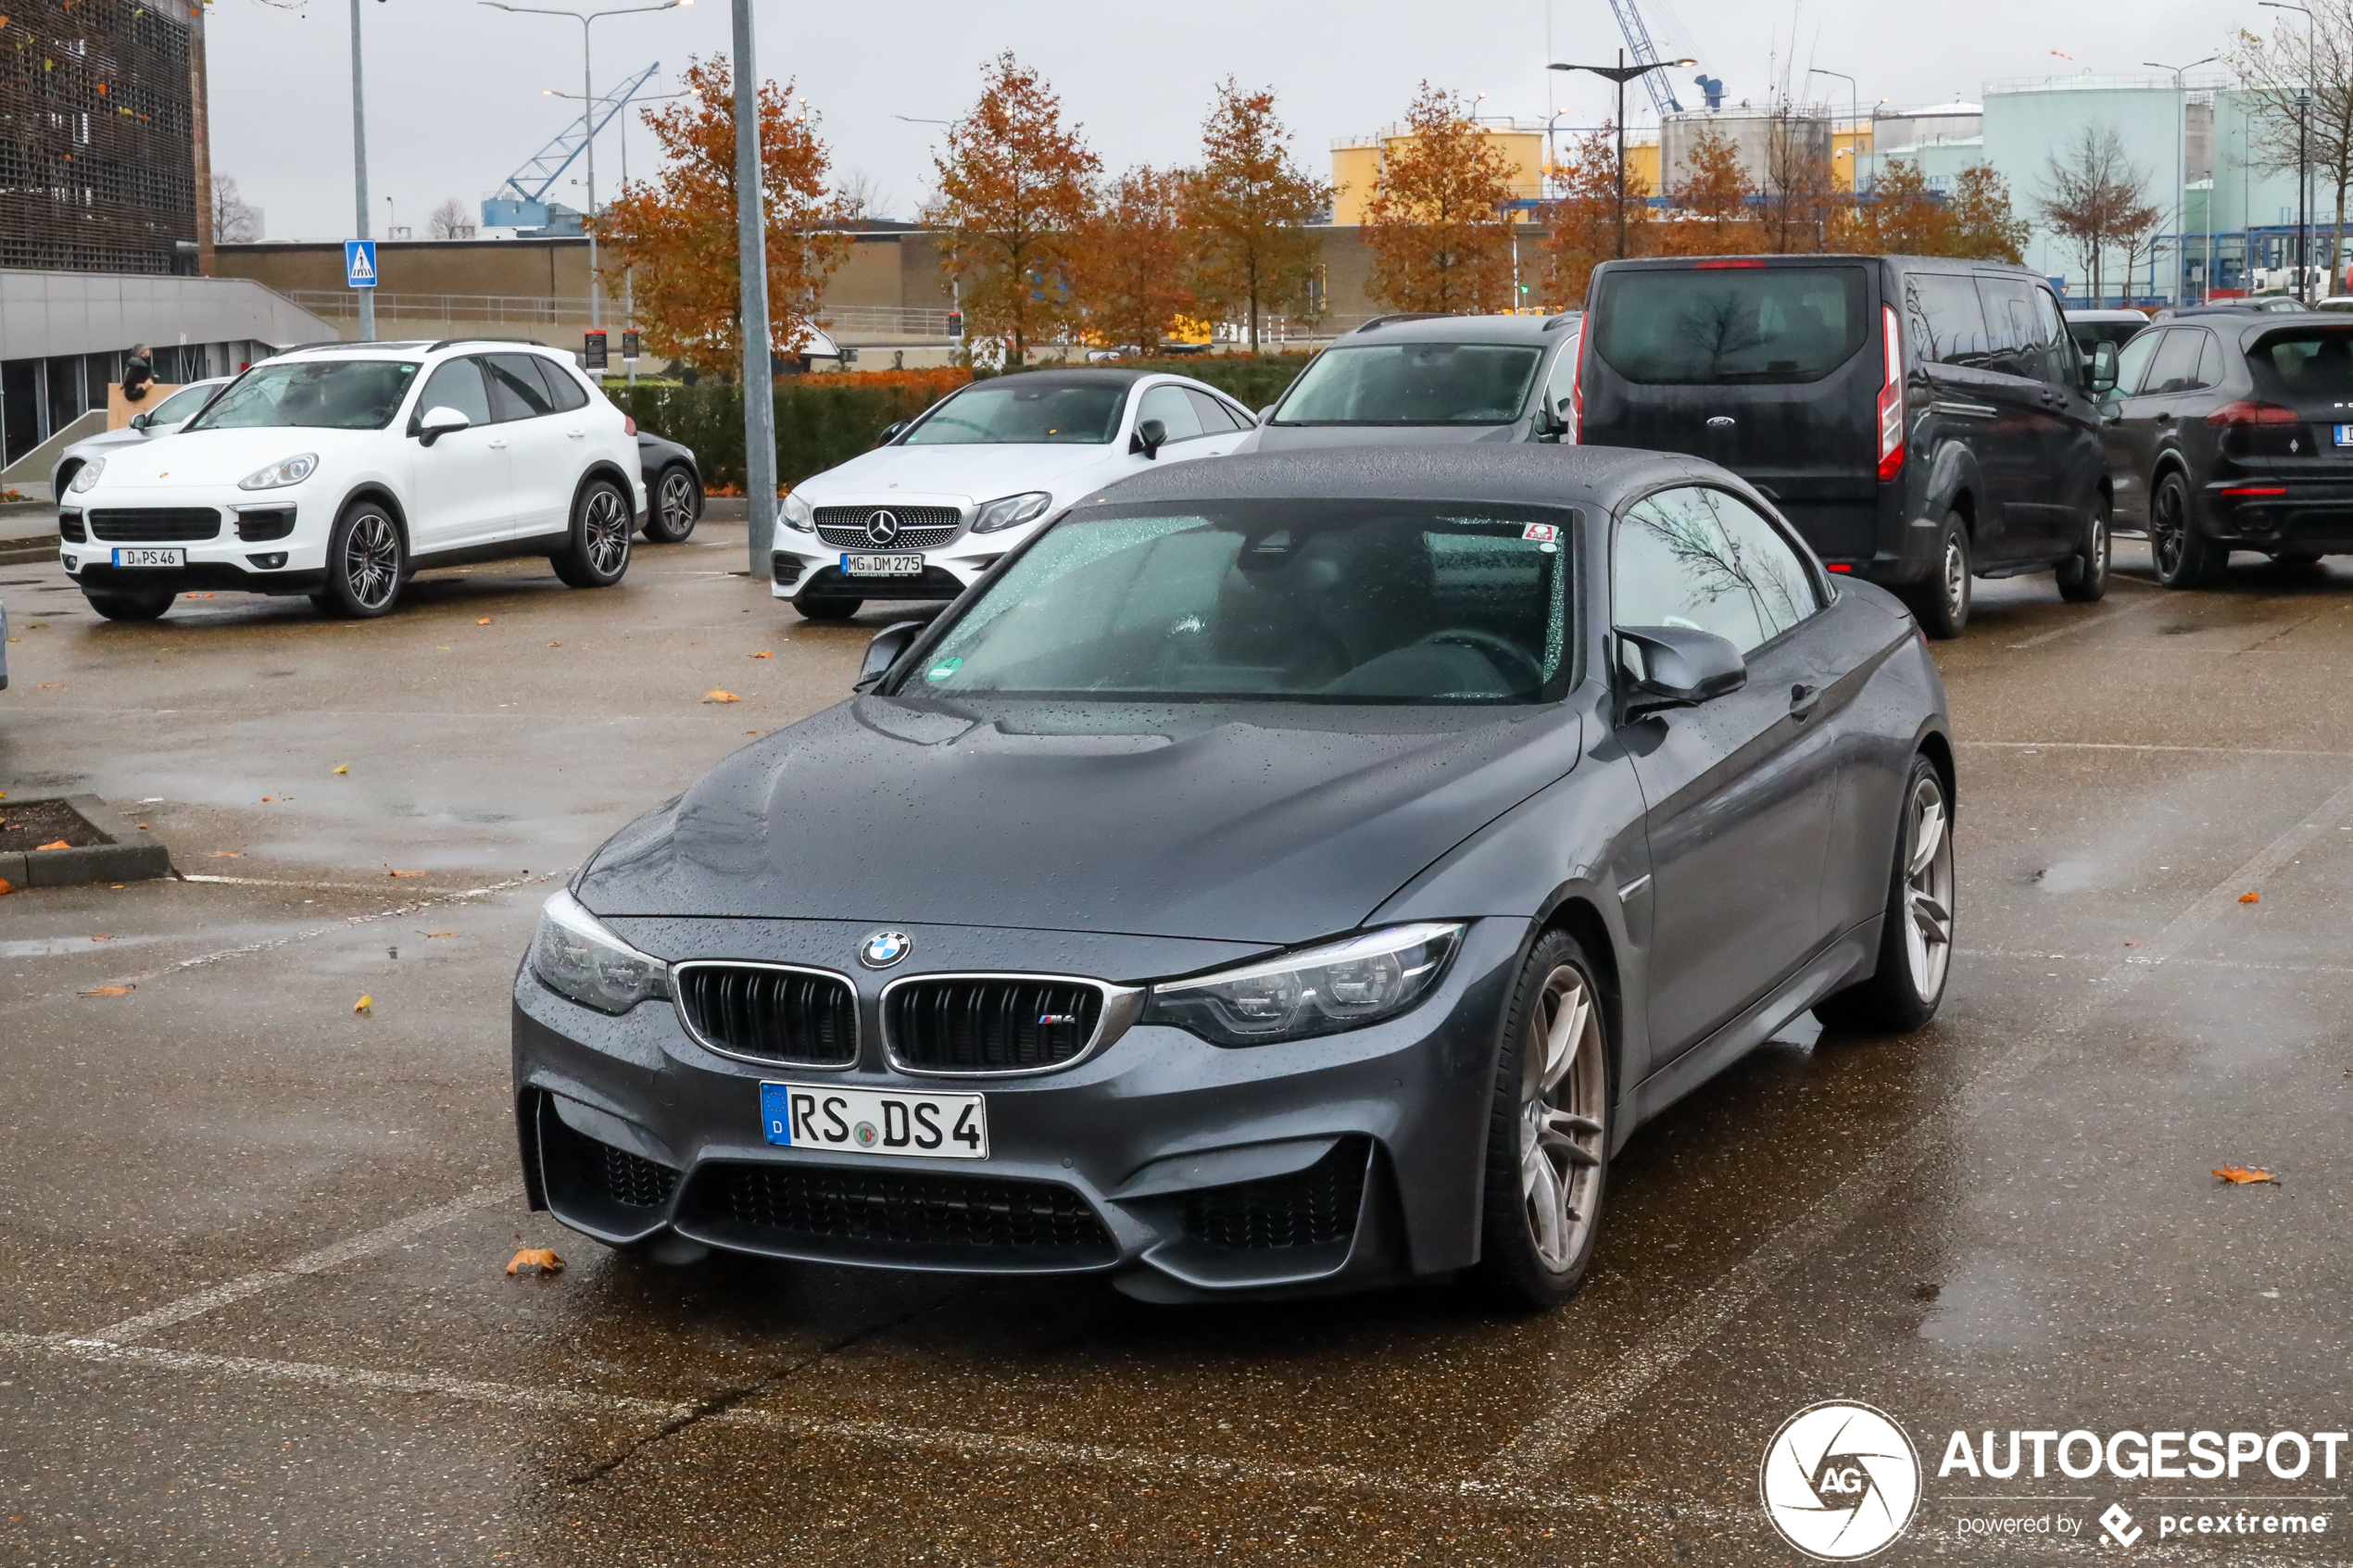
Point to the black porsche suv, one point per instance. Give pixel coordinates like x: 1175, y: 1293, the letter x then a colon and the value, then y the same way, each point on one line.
x: 1922, y: 421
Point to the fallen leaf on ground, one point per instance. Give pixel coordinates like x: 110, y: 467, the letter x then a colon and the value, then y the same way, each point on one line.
x: 722, y: 696
x: 763, y: 653
x: 61, y: 844
x: 2250, y: 898
x: 389, y: 872
x: 228, y: 854
x: 445, y: 934
x: 110, y: 991
x: 365, y: 1004
x: 541, y: 1260
x: 555, y: 644
x: 342, y: 766
x: 5, y: 888
x: 48, y: 685
x: 102, y: 939
x: 2239, y: 1176
x: 143, y: 827
x: 484, y: 621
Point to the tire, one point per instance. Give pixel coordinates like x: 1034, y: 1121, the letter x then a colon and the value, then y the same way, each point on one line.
x: 149, y: 606
x: 2184, y: 557
x: 598, y: 555
x: 367, y: 563
x: 2084, y: 578
x: 674, y: 506
x: 1548, y: 1132
x: 1916, y: 937
x: 826, y: 609
x: 1940, y: 604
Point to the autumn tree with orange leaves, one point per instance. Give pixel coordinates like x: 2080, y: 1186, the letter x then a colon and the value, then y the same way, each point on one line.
x: 1712, y: 195
x: 1249, y: 211
x: 676, y: 233
x: 1581, y: 218
x: 1016, y: 187
x: 1436, y: 225
x: 1128, y: 269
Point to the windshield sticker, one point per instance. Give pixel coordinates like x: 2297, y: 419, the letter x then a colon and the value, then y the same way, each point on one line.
x: 943, y: 670
x: 1543, y: 533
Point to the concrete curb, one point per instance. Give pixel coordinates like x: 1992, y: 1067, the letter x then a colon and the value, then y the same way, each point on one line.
x: 21, y: 552
x: 131, y: 854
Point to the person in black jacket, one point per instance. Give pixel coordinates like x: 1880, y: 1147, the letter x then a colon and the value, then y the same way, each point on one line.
x: 138, y: 373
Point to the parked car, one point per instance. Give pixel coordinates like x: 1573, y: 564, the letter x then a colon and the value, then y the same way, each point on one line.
x: 340, y: 470
x: 2260, y: 305
x: 1417, y: 379
x: 674, y: 488
x: 947, y: 493
x: 1291, y: 874
x: 1922, y: 421
x: 2092, y: 328
x: 2229, y: 432
x: 162, y: 420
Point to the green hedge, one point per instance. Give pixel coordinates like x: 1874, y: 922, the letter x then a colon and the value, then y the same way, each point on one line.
x: 819, y: 425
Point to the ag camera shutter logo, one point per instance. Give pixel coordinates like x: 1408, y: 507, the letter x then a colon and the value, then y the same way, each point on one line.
x: 1840, y: 1480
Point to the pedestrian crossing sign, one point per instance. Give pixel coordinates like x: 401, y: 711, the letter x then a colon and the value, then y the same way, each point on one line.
x: 360, y: 264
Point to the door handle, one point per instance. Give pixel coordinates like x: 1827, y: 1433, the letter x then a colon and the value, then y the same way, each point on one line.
x: 1803, y: 700
x: 496, y: 445
x: 576, y: 434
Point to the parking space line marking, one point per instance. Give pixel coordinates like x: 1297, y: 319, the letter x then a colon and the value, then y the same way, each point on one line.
x: 332, y: 1256
x: 2170, y: 963
x: 1554, y: 1437
x: 2124, y: 746
x: 2088, y: 623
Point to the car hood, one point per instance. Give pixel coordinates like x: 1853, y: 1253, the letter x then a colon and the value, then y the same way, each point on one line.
x: 224, y: 457
x: 1286, y: 438
x: 977, y: 472
x: 1262, y: 823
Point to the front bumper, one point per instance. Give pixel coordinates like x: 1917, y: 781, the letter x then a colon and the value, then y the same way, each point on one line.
x: 1182, y: 1170
x: 266, y: 542
x: 804, y: 566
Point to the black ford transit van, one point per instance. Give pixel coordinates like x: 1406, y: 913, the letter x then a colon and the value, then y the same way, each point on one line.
x: 1922, y: 421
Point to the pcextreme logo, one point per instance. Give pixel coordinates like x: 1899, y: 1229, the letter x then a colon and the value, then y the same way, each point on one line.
x: 1840, y: 1480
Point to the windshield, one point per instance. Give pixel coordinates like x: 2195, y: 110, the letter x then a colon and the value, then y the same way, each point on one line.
x: 1019, y: 410
x: 1708, y: 326
x: 181, y: 405
x: 327, y: 394
x: 1413, y: 383
x: 1293, y: 600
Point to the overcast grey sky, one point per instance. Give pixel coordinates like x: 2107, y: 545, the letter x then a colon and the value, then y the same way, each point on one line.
x: 455, y: 104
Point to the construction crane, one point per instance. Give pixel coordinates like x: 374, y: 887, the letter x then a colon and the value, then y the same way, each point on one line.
x: 531, y: 183
x: 1645, y: 53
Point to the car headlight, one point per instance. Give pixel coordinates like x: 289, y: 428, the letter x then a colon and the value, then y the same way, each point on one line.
x: 1010, y: 511
x: 1320, y: 990
x: 88, y: 474
x: 293, y: 470
x: 798, y: 514
x: 573, y: 955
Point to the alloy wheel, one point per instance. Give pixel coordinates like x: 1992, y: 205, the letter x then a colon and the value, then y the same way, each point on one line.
x: 1956, y: 575
x: 371, y: 560
x: 677, y: 503
x: 1563, y: 1082
x: 1927, y: 887
x: 2166, y: 541
x: 606, y: 529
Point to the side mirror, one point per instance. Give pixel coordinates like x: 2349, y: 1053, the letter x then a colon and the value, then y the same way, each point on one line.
x: 2099, y: 376
x: 1678, y: 666
x: 141, y: 421
x: 439, y: 422
x: 884, y: 651
x: 1150, y: 437
x: 891, y: 433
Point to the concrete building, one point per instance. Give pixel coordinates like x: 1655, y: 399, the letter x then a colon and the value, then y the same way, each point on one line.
x: 1358, y: 160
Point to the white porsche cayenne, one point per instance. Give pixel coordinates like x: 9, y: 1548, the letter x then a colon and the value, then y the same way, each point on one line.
x: 337, y: 471
x: 925, y: 513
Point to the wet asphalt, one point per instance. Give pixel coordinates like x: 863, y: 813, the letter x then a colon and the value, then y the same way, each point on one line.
x: 252, y: 1299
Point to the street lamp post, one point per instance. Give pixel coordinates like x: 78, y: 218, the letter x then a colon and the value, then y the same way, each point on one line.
x: 1623, y: 73
x: 587, y: 113
x: 751, y: 263
x: 1853, y: 128
x: 2181, y: 171
x: 359, y: 172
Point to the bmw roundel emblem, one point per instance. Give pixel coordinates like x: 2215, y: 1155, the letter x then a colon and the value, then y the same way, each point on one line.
x: 884, y: 948
x: 882, y: 527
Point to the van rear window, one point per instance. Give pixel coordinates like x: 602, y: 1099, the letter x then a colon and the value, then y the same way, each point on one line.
x: 1733, y: 325
x: 2305, y: 363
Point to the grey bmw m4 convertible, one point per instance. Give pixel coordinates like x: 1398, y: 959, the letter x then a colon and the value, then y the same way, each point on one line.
x: 1284, y: 873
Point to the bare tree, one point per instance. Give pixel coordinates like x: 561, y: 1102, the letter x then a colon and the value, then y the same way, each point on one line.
x: 450, y: 221
x: 2272, y: 70
x: 1799, y: 192
x: 233, y: 220
x: 2094, y: 196
x: 863, y: 194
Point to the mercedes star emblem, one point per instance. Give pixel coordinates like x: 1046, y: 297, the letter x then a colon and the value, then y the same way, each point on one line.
x: 882, y: 527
